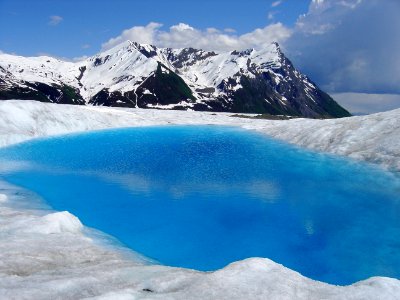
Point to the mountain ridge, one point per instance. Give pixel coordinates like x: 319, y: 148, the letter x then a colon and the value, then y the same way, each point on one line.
x: 142, y: 75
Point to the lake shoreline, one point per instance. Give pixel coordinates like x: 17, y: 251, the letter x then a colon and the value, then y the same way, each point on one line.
x: 260, y: 278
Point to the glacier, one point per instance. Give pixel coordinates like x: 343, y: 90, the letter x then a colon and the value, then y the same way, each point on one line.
x: 46, y: 254
x: 374, y: 138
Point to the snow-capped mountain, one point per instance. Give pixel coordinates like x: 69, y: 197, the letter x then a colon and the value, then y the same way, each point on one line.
x: 140, y: 75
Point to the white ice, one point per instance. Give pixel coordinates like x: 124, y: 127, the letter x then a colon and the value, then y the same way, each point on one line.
x: 50, y: 255
x: 374, y: 138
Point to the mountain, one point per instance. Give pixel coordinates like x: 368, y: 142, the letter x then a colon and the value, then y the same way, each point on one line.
x: 140, y: 75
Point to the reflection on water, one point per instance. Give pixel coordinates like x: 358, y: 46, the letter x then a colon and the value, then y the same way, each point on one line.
x: 202, y: 197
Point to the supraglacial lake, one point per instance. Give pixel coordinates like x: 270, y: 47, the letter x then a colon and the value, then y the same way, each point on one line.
x: 202, y: 197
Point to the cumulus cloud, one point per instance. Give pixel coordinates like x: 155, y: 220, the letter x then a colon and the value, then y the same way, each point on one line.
x: 349, y: 45
x: 230, y: 30
x: 55, y: 20
x: 141, y: 34
x: 276, y: 3
x: 325, y: 15
x: 183, y: 35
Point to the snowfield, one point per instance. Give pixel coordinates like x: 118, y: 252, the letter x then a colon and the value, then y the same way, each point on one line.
x: 47, y: 255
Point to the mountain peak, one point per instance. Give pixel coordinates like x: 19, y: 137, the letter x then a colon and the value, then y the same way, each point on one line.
x: 142, y: 75
x: 271, y: 51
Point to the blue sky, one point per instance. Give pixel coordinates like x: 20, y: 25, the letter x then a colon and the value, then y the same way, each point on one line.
x: 82, y: 26
x: 350, y: 48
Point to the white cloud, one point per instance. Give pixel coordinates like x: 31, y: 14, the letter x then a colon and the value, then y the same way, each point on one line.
x: 276, y: 3
x: 141, y: 34
x: 85, y: 46
x: 181, y: 27
x: 325, y: 15
x: 183, y: 35
x: 349, y: 45
x: 362, y: 103
x: 261, y: 36
x: 230, y: 30
x: 55, y: 20
x: 271, y: 15
x: 212, y: 30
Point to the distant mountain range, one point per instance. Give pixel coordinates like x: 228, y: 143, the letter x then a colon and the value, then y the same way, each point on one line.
x: 141, y: 75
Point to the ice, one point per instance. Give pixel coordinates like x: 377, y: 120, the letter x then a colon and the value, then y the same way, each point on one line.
x: 374, y: 138
x: 3, y: 198
x: 56, y: 223
x: 49, y: 255
x: 67, y: 264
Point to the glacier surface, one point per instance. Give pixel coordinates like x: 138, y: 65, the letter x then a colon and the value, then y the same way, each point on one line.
x: 373, y: 138
x: 46, y: 254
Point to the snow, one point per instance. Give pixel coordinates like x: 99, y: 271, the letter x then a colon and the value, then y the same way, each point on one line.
x: 42, y: 259
x: 126, y: 63
x: 47, y: 255
x: 41, y: 69
x: 56, y: 223
x: 3, y: 198
x: 125, y: 67
x: 213, y: 69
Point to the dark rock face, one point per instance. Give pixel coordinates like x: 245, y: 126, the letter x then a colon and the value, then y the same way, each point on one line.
x: 187, y: 57
x: 256, y: 86
x: 165, y: 87
x: 107, y: 98
x: 295, y: 96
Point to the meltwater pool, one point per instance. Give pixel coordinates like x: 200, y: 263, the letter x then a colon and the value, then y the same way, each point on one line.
x: 203, y: 196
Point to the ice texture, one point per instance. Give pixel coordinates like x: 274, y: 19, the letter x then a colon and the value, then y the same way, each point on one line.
x: 50, y: 255
x: 374, y: 138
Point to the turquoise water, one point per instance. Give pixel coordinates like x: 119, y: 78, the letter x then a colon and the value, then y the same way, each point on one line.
x: 202, y: 197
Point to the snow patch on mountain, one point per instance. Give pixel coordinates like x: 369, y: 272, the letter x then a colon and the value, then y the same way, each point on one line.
x: 125, y: 66
x: 119, y: 69
x: 241, y: 81
x: 209, y: 69
x: 43, y: 69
